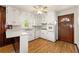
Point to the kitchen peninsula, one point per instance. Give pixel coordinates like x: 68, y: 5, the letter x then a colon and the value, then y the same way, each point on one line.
x: 22, y: 36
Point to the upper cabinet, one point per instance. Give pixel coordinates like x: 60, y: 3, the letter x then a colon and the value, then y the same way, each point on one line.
x: 12, y: 16
x: 16, y: 16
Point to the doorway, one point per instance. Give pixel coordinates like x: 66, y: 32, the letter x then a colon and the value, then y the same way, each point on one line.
x: 66, y: 28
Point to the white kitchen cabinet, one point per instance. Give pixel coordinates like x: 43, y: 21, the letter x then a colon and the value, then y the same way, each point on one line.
x: 51, y: 32
x: 31, y: 35
x: 37, y: 33
x: 51, y: 36
x: 12, y: 16
x: 24, y: 43
x: 44, y: 34
x: 44, y: 20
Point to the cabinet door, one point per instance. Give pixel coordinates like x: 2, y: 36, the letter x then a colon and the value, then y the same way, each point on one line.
x: 44, y: 34
x: 12, y: 16
x: 37, y: 33
x: 51, y: 36
x: 24, y: 43
x: 31, y: 35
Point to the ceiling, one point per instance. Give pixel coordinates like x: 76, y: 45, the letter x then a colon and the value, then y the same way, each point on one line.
x: 50, y: 7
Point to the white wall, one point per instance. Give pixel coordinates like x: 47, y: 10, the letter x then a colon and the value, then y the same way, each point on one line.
x: 56, y: 27
x: 77, y: 27
x: 74, y: 10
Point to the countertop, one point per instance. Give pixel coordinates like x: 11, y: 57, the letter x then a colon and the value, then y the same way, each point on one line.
x: 23, y: 39
x: 14, y: 33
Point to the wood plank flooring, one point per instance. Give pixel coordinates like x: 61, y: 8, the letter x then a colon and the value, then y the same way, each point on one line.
x: 7, y: 49
x: 44, y: 46
x: 10, y: 48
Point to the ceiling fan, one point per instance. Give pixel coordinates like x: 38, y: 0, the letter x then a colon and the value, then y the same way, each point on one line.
x: 40, y: 9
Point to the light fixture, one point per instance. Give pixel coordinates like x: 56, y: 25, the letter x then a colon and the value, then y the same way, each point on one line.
x: 39, y: 9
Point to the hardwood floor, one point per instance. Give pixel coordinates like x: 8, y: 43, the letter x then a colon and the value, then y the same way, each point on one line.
x: 10, y: 48
x: 7, y: 49
x: 45, y: 46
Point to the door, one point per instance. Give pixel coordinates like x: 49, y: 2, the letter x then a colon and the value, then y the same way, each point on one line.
x: 66, y: 28
x: 2, y: 24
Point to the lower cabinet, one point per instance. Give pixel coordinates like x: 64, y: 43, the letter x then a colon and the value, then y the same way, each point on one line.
x: 37, y: 33
x: 51, y: 36
x: 24, y: 43
x: 31, y: 35
x: 44, y: 34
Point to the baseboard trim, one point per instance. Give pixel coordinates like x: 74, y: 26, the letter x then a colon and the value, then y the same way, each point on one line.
x: 35, y: 39
x: 41, y: 38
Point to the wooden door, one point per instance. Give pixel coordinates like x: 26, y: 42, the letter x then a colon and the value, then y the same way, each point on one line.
x: 66, y: 28
x: 2, y: 25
